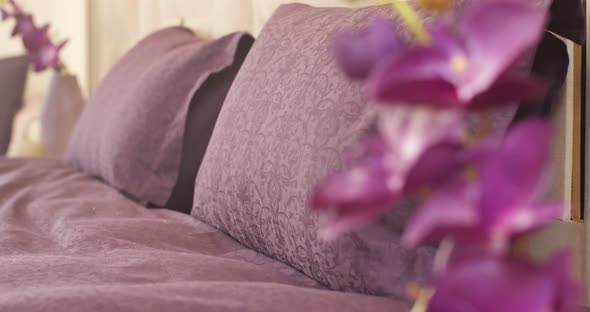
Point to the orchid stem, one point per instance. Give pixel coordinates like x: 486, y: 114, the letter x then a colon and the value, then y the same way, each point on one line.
x: 412, y: 20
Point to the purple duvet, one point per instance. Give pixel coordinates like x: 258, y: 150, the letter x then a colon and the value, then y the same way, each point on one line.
x: 71, y: 243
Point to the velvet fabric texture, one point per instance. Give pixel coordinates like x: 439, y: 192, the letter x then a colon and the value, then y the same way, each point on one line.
x: 286, y: 124
x: 13, y: 76
x: 131, y: 133
x: 72, y: 243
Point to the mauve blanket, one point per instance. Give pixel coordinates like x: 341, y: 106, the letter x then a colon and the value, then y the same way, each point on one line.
x: 71, y: 243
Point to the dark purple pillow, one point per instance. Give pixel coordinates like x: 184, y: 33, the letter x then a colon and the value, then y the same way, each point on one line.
x: 551, y: 64
x: 202, y: 115
x: 568, y: 19
x: 13, y: 75
x: 131, y: 133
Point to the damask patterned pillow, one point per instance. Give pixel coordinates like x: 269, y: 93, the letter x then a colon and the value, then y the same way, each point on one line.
x: 286, y: 122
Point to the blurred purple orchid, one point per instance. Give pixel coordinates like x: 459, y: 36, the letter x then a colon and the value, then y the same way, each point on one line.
x: 375, y: 184
x: 355, y: 197
x: 358, y: 53
x: 491, y: 284
x: 504, y: 201
x: 469, y: 66
x: 476, y: 199
x: 43, y: 52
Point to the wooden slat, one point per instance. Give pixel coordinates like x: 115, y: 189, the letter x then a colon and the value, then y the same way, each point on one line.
x: 561, y: 235
x: 576, y: 126
x: 567, y: 149
x: 587, y: 172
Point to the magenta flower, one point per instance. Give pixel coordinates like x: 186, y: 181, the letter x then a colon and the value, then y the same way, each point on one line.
x: 471, y: 66
x: 491, y: 284
x: 376, y: 183
x: 43, y: 52
x: 358, y: 53
x: 355, y: 197
x: 47, y: 56
x: 504, y: 201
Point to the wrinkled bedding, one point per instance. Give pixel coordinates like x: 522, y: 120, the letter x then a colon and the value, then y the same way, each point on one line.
x: 69, y: 242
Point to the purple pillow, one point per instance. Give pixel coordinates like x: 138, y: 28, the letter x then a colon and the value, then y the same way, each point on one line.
x: 131, y: 133
x: 286, y: 123
x: 13, y: 76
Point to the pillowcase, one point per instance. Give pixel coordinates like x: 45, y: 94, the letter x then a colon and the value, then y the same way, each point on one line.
x: 286, y: 123
x: 131, y: 133
x: 202, y: 115
x: 13, y: 76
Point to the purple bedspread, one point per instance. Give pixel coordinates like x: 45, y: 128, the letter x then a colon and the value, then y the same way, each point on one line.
x: 70, y: 243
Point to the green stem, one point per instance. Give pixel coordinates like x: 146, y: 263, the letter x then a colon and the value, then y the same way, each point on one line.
x: 412, y: 21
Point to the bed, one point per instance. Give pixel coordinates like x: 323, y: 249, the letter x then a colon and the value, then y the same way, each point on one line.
x: 110, y: 228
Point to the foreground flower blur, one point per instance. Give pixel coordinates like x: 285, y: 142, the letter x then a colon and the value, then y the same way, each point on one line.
x: 475, y: 196
x: 471, y: 67
x: 503, y: 201
x: 493, y: 284
x: 358, y: 53
x: 379, y: 180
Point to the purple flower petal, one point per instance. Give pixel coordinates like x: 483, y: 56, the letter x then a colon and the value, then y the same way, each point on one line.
x: 568, y: 290
x: 355, y: 197
x: 4, y: 15
x: 435, y: 165
x: 357, y: 53
x: 514, y: 179
x: 16, y: 10
x: 505, y: 201
x: 491, y: 284
x: 43, y: 52
x: 422, y: 75
x: 36, y: 39
x: 451, y: 212
x: 410, y: 131
x: 458, y: 70
x: 509, y: 90
x: 497, y: 33
x: 24, y: 24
